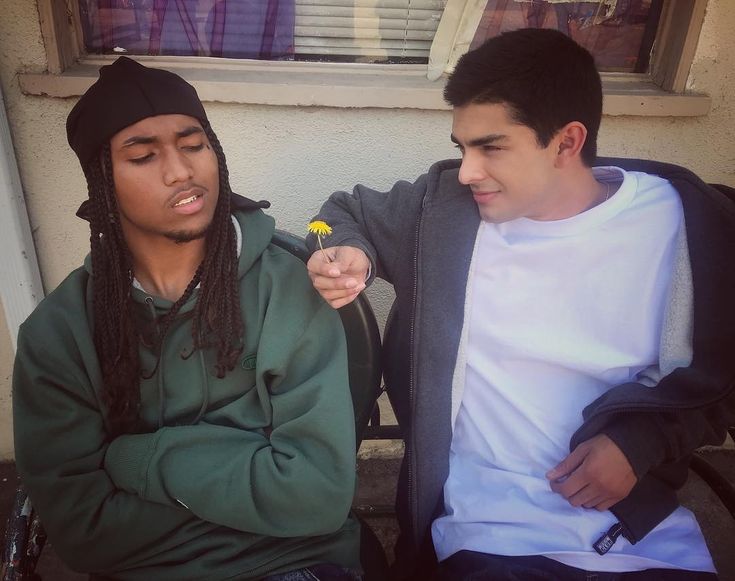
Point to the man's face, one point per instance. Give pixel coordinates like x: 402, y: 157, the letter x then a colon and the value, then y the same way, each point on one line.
x: 510, y: 174
x: 166, y: 179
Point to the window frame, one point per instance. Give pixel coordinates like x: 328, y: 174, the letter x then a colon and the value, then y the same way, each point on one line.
x: 661, y: 91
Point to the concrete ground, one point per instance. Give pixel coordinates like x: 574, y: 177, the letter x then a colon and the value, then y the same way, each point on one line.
x: 378, y: 474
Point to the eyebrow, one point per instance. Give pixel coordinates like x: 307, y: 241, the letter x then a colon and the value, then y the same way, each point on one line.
x: 146, y: 139
x: 480, y: 141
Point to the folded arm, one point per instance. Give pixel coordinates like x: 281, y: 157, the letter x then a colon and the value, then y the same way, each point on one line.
x: 60, y: 445
x: 297, y: 480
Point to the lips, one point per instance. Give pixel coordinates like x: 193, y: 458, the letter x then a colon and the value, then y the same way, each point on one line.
x: 483, y: 197
x: 186, y: 196
x: 188, y: 201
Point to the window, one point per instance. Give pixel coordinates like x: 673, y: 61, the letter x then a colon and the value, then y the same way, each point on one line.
x: 385, y: 31
x: 619, y: 33
x: 365, y: 53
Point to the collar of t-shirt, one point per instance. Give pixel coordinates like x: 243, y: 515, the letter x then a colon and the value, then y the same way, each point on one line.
x: 617, y: 202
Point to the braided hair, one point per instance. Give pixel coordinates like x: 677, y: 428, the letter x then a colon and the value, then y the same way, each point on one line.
x: 217, y: 320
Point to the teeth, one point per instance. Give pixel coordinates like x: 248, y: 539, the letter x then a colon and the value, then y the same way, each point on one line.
x: 186, y: 200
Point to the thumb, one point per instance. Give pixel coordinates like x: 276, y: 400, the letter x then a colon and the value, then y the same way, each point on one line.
x: 564, y: 468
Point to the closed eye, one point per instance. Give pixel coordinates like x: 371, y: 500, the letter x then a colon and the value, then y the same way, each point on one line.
x: 198, y: 147
x: 141, y: 160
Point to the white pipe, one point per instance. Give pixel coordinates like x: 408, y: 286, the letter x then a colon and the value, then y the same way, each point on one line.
x: 20, y: 280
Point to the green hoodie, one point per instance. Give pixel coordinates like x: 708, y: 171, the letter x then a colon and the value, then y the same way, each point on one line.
x: 235, y: 478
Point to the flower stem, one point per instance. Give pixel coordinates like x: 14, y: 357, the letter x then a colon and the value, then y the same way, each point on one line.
x: 324, y: 254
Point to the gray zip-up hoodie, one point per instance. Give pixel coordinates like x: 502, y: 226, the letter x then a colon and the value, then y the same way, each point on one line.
x: 420, y: 237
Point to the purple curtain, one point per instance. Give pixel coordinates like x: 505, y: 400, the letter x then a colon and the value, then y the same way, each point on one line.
x: 257, y: 29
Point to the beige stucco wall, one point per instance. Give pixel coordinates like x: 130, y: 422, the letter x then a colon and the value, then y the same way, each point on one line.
x: 296, y: 156
x: 704, y: 144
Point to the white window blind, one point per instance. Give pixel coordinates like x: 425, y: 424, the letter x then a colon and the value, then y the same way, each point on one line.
x: 360, y: 30
x: 366, y: 29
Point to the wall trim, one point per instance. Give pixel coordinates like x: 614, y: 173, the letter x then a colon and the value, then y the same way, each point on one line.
x: 20, y: 280
x: 352, y: 85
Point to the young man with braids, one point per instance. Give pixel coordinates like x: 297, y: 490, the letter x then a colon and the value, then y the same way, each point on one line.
x: 563, y: 332
x: 181, y: 403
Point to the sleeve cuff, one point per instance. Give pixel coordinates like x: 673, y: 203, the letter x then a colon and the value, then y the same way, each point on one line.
x: 126, y: 462
x: 640, y: 439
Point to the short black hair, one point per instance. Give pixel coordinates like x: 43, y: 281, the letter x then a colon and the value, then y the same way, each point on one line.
x: 545, y: 79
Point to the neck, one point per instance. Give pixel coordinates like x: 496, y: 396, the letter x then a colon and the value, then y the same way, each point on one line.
x: 597, y: 192
x: 578, y: 192
x: 165, y: 268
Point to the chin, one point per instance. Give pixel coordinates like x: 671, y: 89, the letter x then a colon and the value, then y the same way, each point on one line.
x: 184, y: 236
x: 492, y: 218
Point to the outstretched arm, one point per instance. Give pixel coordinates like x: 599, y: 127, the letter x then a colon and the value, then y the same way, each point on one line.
x: 371, y: 231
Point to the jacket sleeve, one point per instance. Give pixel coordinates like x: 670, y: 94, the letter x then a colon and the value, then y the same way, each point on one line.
x: 690, y: 410
x: 651, y: 439
x: 60, y: 443
x: 297, y: 481
x: 693, y: 404
x: 382, y: 224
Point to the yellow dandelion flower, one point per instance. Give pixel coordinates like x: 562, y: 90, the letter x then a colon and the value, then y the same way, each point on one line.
x: 320, y: 228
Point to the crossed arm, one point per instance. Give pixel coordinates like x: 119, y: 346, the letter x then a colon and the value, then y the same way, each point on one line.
x: 160, y: 489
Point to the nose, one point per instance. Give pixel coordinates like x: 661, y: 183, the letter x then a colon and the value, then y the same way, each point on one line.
x: 471, y: 170
x: 176, y: 167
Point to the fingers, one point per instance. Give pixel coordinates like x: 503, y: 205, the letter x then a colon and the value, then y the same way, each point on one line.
x: 336, y: 297
x: 590, y: 497
x: 600, y: 475
x: 338, y: 303
x: 565, y: 468
x: 571, y: 480
x: 570, y: 486
x: 338, y: 274
x: 582, y: 493
x: 339, y: 261
x: 339, y: 286
x: 585, y: 497
x: 607, y: 504
x: 322, y: 263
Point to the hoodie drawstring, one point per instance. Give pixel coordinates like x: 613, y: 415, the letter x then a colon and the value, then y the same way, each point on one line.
x: 205, y: 389
x: 158, y: 371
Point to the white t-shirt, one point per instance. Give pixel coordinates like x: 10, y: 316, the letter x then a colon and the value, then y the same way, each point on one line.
x: 559, y: 312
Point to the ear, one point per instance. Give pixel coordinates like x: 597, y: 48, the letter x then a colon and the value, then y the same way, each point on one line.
x: 569, y: 140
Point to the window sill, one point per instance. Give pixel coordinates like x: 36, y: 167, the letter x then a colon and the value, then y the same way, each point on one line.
x: 345, y: 85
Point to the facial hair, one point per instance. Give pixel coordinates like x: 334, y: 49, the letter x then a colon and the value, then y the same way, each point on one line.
x: 184, y: 236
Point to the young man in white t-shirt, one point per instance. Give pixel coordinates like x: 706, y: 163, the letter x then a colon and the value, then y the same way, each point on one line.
x: 549, y: 358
